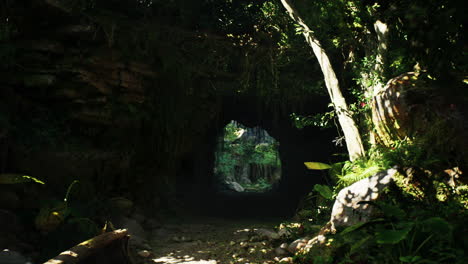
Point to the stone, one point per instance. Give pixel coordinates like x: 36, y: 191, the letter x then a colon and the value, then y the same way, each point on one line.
x: 286, y: 260
x: 235, y: 186
x: 283, y: 232
x: 347, y: 211
x: 298, y: 244
x: 136, y: 231
x: 144, y: 253
x: 281, y: 251
x: 267, y: 234
x: 319, y: 240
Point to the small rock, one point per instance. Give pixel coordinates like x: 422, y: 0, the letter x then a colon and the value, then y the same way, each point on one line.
x: 286, y: 260
x: 235, y: 186
x: 317, y: 241
x: 267, y: 234
x: 298, y: 244
x: 144, y: 253
x: 281, y: 252
x: 243, y: 244
x: 283, y: 232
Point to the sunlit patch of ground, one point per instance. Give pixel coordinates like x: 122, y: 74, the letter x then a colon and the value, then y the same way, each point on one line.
x: 186, y: 259
x: 212, y: 241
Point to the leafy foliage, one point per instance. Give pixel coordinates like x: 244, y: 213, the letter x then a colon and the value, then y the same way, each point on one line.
x: 238, y: 150
x: 11, y: 178
x: 414, y: 237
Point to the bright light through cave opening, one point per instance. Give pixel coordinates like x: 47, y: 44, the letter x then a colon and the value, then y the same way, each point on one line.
x: 247, y: 160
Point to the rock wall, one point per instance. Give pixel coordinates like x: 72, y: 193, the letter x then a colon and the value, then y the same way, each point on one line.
x: 76, y: 105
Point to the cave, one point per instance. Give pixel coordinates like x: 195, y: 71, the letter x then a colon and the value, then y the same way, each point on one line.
x: 198, y: 184
x: 105, y: 126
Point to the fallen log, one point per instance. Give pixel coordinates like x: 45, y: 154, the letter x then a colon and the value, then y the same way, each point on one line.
x: 89, y: 251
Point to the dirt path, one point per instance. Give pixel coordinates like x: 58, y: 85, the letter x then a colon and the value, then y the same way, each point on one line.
x: 214, y: 241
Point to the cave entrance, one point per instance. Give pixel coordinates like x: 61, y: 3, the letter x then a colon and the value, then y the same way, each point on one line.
x: 246, y: 160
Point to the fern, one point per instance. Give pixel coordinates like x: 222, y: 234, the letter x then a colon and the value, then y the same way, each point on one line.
x: 352, y: 172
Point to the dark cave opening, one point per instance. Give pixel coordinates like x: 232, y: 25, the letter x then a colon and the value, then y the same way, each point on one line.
x: 199, y: 179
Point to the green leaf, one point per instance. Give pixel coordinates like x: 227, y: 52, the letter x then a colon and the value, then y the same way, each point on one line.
x: 392, y: 211
x: 352, y: 228
x: 324, y: 191
x: 409, y: 259
x: 359, y: 225
x: 437, y: 225
x: 392, y: 236
x: 359, y: 244
x: 13, y: 178
x: 317, y: 166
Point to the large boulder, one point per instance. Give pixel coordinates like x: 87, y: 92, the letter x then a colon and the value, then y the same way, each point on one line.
x: 234, y: 186
x: 348, y: 210
x: 392, y: 110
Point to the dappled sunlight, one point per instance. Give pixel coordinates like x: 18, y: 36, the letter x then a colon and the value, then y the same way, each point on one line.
x: 216, y: 241
x: 175, y: 258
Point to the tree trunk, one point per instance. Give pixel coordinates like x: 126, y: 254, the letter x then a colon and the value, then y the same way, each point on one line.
x: 81, y: 252
x: 350, y: 130
x: 373, y: 80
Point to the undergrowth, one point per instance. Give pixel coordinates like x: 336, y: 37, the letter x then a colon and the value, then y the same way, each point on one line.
x: 420, y: 219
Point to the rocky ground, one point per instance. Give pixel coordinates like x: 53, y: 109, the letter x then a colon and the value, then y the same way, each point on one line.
x: 214, y: 241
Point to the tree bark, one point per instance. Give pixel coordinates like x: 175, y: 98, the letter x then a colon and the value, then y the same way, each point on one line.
x: 350, y: 130
x: 82, y: 251
x: 373, y: 79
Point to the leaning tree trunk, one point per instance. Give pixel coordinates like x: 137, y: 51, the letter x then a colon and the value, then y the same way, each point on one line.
x: 350, y: 130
